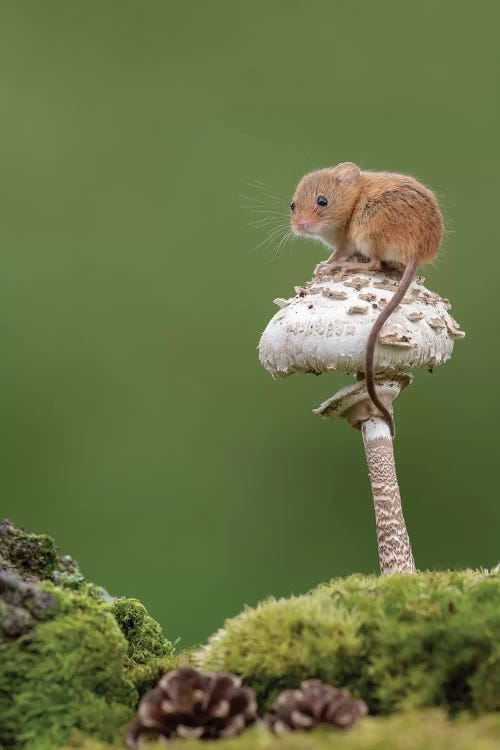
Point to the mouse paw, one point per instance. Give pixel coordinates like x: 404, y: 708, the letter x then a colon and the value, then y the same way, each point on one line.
x: 323, y: 268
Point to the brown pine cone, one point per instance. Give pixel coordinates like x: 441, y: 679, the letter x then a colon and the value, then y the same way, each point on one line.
x: 315, y: 703
x: 186, y: 703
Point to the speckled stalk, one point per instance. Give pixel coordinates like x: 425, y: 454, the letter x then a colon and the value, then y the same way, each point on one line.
x: 394, y: 548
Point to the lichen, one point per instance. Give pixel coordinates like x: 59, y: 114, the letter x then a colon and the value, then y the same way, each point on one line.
x: 399, y: 642
x: 70, y: 655
x: 421, y: 730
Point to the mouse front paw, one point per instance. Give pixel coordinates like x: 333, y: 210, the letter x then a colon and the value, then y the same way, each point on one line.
x: 323, y: 268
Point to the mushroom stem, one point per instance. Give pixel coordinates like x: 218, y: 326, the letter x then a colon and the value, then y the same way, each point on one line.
x: 394, y: 548
x: 355, y: 405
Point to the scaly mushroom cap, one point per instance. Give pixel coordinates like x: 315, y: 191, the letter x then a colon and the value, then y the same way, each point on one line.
x: 326, y: 325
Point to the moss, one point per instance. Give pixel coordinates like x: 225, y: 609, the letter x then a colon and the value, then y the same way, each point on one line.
x: 29, y: 555
x: 144, y: 635
x: 73, y: 660
x: 400, y: 642
x: 67, y: 672
x: 68, y: 652
x: 423, y: 730
x: 146, y: 676
x: 35, y: 557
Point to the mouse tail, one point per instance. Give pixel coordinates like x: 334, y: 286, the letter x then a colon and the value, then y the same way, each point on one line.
x: 404, y: 284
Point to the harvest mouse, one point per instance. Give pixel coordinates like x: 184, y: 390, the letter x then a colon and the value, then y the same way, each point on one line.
x: 380, y: 216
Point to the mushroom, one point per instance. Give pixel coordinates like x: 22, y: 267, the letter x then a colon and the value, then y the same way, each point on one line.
x: 325, y: 328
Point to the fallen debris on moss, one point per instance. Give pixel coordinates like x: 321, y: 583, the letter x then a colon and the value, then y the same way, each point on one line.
x: 313, y: 705
x: 186, y: 703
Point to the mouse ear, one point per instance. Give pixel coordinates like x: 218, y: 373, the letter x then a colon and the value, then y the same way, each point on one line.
x: 347, y: 173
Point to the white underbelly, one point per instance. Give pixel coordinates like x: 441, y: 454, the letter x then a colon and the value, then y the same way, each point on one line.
x: 391, y: 255
x: 362, y: 248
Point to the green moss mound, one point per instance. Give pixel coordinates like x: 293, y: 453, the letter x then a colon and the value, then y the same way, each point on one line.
x: 144, y: 636
x: 66, y: 673
x: 423, y: 730
x: 72, y: 658
x: 399, y: 642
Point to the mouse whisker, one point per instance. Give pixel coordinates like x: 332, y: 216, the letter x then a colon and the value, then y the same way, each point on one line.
x: 258, y: 223
x: 262, y: 207
x: 272, y: 215
x: 282, y: 243
x: 282, y: 239
x: 268, y: 193
x: 266, y: 189
x: 247, y: 199
x: 270, y: 237
x: 260, y: 210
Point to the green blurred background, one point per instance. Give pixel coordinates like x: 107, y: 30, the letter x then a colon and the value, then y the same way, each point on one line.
x: 137, y: 426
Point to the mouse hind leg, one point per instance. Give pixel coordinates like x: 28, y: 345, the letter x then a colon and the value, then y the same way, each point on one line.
x: 369, y: 247
x: 373, y: 264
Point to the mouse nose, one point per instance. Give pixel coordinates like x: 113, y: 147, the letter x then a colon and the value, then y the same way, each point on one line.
x: 304, y: 225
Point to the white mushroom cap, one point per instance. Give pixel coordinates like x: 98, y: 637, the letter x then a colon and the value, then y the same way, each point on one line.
x: 326, y: 325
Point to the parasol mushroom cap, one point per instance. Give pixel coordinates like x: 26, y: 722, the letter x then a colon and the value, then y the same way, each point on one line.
x: 326, y: 325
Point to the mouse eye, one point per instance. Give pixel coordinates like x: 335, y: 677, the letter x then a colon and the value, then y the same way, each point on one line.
x: 292, y: 206
x: 321, y: 200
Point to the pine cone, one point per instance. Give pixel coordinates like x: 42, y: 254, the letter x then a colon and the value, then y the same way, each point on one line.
x: 186, y: 703
x: 315, y: 703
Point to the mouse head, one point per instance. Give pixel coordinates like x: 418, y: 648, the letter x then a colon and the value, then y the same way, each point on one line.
x: 323, y: 200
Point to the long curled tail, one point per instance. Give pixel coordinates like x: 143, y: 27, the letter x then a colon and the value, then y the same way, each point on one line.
x: 404, y: 284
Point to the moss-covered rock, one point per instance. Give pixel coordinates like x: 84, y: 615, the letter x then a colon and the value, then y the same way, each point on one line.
x: 69, y: 653
x: 399, y: 642
x: 30, y: 556
x: 423, y: 730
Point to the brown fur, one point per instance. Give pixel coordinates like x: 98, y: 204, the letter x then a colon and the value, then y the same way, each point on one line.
x: 384, y: 217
